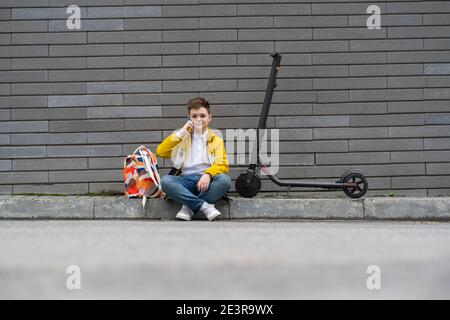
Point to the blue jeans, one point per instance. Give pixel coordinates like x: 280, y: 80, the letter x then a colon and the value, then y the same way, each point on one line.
x: 183, y: 189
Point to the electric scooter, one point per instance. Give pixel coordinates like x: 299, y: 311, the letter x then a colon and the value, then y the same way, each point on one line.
x: 353, y: 181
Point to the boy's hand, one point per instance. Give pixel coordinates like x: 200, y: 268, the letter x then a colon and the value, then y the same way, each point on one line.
x: 203, y: 183
x: 188, y: 128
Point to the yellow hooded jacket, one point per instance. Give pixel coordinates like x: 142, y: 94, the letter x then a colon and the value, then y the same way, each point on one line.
x: 178, y: 149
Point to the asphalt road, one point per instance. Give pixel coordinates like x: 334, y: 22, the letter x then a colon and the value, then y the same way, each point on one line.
x: 224, y: 260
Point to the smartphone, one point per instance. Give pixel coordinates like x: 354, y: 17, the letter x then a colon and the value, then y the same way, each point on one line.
x: 189, y: 128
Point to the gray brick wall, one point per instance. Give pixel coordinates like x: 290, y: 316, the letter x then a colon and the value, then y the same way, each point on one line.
x: 73, y: 103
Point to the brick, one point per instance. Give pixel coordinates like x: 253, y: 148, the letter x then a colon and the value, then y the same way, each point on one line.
x: 57, y: 188
x: 389, y: 20
x: 161, y: 74
x: 86, y: 75
x: 310, y: 21
x: 436, y: 68
x: 199, y: 60
x: 312, y: 121
x: 386, y: 95
x: 5, y: 89
x: 86, y: 50
x: 24, y: 126
x: 351, y: 108
x: 115, y: 187
x: 124, y: 112
x: 124, y: 37
x: 24, y: 26
x: 438, y: 168
x: 49, y: 63
x: 406, y: 82
x: 313, y: 146
x: 88, y: 25
x: 49, y: 164
x: 419, y: 156
x: 5, y: 165
x: 162, y: 23
x: 161, y: 48
x: 332, y: 96
x: 5, y: 14
x: 262, y: 59
x: 106, y: 163
x: 417, y: 106
x: 48, y: 88
x: 437, y: 118
x: 24, y: 177
x: 421, y: 182
x: 124, y: 12
x: 234, y: 22
x: 199, y: 85
x: 350, y: 133
x: 349, y: 83
x: 386, y: 45
x: 199, y: 35
x: 123, y: 62
x: 311, y: 46
x: 5, y: 139
x: 5, y: 39
x: 276, y: 109
x: 237, y: 47
x: 385, y: 145
x: 5, y: 189
x: 419, y: 32
x: 124, y: 137
x: 84, y: 151
x: 48, y: 114
x: 441, y: 93
x: 348, y: 33
x: 24, y: 3
x: 47, y: 138
x: 123, y: 87
x: 349, y: 58
x: 273, y: 9
x: 436, y: 44
x: 386, y: 70
x: 23, y: 51
x: 343, y: 8
x: 5, y: 64
x: 23, y: 76
x: 42, y: 13
x: 86, y: 125
x: 437, y: 144
x: 352, y: 158
x: 23, y: 102
x: 142, y: 99
x: 199, y: 10
x: 5, y: 114
x: 22, y: 152
x: 48, y: 38
x: 417, y: 56
x: 275, y: 34
x: 387, y: 120
x: 85, y: 176
x: 85, y: 100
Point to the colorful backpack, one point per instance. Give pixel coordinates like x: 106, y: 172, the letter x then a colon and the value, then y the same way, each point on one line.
x: 140, y: 175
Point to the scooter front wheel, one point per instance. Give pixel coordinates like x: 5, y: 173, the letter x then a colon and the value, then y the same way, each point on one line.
x: 361, y: 185
x: 253, y: 188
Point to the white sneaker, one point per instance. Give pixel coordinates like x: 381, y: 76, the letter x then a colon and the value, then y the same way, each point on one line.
x: 185, y: 213
x: 210, y: 211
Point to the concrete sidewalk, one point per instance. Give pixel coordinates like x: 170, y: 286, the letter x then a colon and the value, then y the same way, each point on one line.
x: 88, y: 207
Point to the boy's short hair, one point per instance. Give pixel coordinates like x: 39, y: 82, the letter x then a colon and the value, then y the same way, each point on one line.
x: 197, y: 103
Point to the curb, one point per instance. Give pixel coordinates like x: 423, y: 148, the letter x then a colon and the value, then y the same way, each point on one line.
x: 98, y: 208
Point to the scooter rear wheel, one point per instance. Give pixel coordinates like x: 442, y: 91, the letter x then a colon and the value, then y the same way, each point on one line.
x: 361, y: 182
x: 250, y: 191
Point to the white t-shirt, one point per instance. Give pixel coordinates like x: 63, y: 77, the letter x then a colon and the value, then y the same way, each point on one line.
x: 197, y: 161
